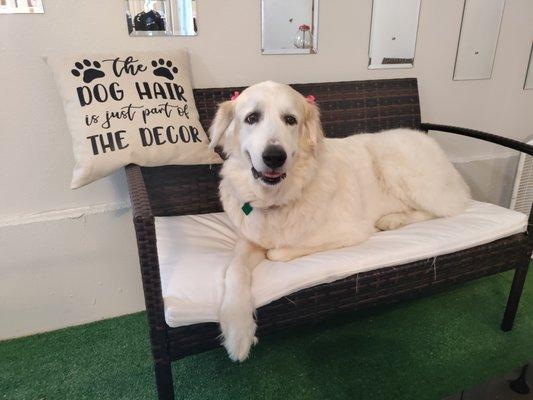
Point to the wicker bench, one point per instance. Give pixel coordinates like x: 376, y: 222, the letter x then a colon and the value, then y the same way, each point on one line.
x: 347, y: 108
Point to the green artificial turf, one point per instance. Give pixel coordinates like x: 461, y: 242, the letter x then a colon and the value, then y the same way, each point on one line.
x: 421, y: 349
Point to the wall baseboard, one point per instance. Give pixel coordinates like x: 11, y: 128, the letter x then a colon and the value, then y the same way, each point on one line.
x: 68, y: 213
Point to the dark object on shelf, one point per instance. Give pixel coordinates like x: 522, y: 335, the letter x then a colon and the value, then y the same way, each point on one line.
x: 514, y: 385
x: 347, y: 108
x: 397, y: 60
x: 149, y: 21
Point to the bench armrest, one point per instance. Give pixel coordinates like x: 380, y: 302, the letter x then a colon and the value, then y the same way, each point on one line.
x: 488, y: 137
x: 144, y: 223
x: 140, y: 204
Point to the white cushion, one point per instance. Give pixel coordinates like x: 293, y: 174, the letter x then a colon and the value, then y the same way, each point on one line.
x: 194, y: 251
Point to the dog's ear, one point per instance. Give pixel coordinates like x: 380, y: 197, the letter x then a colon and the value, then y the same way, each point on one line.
x: 312, y: 127
x: 221, y: 123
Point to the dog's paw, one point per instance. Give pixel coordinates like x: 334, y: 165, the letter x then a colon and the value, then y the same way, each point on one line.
x: 238, y: 332
x: 391, y: 221
x: 280, y: 254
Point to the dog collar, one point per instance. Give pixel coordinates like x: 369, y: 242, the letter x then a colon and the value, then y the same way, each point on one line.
x: 247, y: 208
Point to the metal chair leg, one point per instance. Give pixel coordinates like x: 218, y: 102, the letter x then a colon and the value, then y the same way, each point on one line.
x: 514, y: 297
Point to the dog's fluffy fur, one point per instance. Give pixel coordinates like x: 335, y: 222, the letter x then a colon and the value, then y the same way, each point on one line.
x: 335, y: 192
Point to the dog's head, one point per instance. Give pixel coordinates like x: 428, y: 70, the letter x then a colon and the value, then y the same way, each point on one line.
x: 270, y: 126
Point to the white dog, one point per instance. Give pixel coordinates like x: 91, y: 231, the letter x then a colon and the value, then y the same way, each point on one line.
x: 291, y: 192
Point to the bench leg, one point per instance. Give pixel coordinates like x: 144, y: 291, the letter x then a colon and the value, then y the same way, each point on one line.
x: 514, y: 297
x: 163, y: 379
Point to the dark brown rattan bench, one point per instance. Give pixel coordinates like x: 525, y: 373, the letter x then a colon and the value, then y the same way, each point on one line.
x: 347, y: 108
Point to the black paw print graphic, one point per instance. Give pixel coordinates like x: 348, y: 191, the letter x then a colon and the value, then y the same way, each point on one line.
x: 89, y: 74
x: 163, y: 69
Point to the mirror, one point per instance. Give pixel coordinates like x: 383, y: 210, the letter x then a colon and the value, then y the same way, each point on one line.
x: 289, y: 26
x: 478, y: 39
x: 21, y: 7
x: 528, y: 84
x: 161, y: 17
x: 393, y: 33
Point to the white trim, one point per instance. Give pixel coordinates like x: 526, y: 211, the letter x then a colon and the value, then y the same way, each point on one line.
x: 68, y: 213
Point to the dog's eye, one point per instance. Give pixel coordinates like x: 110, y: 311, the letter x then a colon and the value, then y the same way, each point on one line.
x: 252, y: 118
x: 290, y: 119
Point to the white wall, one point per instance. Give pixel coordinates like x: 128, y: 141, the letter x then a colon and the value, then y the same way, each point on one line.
x: 50, y: 271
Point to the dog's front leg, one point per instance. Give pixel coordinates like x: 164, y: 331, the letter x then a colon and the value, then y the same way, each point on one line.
x: 237, y: 309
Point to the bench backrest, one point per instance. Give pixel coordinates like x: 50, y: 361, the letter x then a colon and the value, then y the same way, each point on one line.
x: 347, y: 108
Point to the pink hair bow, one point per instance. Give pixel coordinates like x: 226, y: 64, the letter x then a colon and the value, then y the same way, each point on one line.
x: 235, y: 95
x: 310, y: 99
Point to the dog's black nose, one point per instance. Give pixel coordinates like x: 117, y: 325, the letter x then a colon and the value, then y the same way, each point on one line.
x: 274, y: 156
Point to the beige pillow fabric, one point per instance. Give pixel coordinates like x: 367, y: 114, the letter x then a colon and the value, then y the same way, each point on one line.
x: 127, y: 108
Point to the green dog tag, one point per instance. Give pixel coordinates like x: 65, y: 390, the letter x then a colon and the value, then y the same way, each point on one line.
x: 247, y: 208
